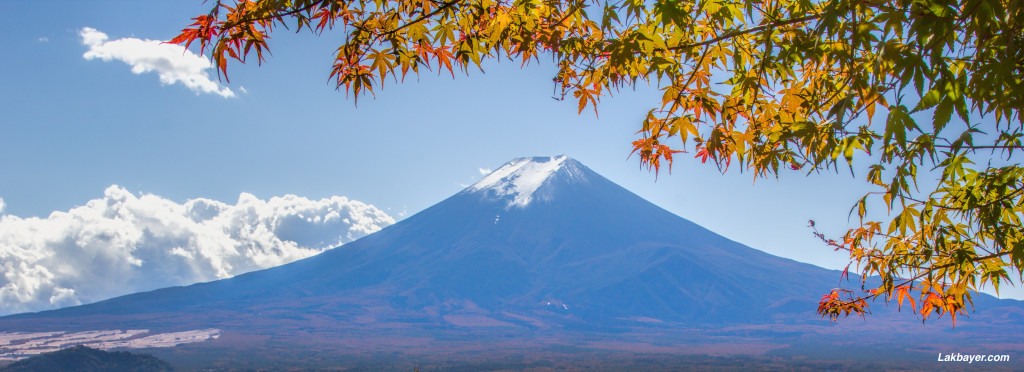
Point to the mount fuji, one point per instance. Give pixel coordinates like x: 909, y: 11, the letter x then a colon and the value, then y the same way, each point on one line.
x: 541, y: 254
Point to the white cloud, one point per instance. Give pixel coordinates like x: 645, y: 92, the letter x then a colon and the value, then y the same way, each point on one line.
x: 122, y: 243
x: 42, y: 39
x: 2, y: 205
x: 484, y: 171
x: 173, y: 63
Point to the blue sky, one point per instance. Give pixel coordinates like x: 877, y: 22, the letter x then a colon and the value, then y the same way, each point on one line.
x: 70, y: 127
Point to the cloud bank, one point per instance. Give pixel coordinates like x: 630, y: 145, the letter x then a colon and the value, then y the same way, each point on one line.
x: 122, y: 243
x: 173, y: 63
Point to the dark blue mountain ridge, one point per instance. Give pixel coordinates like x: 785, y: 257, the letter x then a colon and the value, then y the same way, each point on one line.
x: 540, y: 244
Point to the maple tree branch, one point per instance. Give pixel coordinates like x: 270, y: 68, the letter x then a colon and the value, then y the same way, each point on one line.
x: 874, y: 253
x: 733, y: 34
x: 424, y: 16
x: 572, y: 11
x: 973, y: 147
x: 1011, y: 195
x: 927, y: 272
x: 693, y: 74
x: 278, y: 16
x: 375, y: 39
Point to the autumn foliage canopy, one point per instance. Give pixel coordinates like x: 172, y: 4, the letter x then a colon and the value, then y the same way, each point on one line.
x: 922, y: 98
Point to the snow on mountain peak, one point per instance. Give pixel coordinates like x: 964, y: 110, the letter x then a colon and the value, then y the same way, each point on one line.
x: 520, y: 178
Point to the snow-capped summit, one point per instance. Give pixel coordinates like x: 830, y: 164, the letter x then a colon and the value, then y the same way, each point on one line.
x: 519, y: 180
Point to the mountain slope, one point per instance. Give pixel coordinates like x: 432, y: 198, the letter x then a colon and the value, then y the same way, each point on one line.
x: 540, y: 245
x: 559, y: 233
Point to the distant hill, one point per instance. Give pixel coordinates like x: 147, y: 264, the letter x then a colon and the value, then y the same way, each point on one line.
x: 87, y: 359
